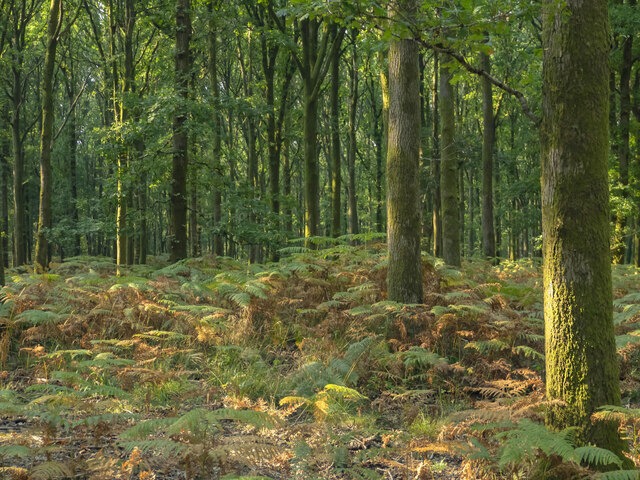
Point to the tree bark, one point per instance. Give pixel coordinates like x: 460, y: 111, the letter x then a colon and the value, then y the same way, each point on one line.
x: 488, y: 231
x: 404, y: 276
x: 353, y: 144
x: 46, y: 138
x: 336, y: 155
x: 216, y: 165
x: 436, y: 166
x: 180, y: 135
x: 581, y: 363
x: 448, y: 172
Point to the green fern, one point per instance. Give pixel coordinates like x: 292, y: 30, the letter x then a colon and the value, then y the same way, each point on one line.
x: 40, y: 317
x: 597, y: 456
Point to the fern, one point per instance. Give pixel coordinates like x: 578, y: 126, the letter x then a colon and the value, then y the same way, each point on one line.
x: 16, y: 451
x: 418, y: 357
x: 597, y: 456
x: 40, y: 317
x: 50, y: 471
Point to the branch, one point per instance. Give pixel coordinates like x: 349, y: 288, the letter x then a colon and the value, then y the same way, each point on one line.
x: 478, y: 71
x: 71, y: 108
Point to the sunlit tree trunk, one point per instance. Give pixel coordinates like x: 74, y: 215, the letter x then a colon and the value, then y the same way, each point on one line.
x: 435, y: 167
x: 404, y: 276
x: 581, y: 363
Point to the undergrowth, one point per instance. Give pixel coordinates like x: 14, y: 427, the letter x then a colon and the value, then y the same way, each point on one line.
x: 212, y: 368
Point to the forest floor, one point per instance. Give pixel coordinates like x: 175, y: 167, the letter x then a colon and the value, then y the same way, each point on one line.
x: 212, y: 368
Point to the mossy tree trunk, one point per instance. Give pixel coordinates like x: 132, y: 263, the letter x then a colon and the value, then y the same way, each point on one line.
x: 180, y: 135
x: 353, y: 144
x: 488, y: 232
x: 336, y: 167
x: 216, y: 165
x: 404, y: 276
x: 448, y: 171
x: 46, y: 137
x: 581, y: 362
x: 435, y: 166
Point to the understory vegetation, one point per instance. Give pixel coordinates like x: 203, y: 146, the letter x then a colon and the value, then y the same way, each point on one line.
x: 301, y: 369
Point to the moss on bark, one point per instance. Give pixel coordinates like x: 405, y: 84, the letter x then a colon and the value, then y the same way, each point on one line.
x: 581, y: 362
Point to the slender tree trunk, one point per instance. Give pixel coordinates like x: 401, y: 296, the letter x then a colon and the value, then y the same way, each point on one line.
x: 180, y: 135
x: 404, y: 276
x: 623, y: 144
x: 46, y: 138
x: 581, y: 363
x: 353, y: 145
x: 488, y: 233
x: 193, y: 220
x: 216, y: 165
x: 384, y: 88
x: 448, y: 173
x: 436, y: 165
x: 336, y: 155
x: 19, y: 247
x: 5, y: 173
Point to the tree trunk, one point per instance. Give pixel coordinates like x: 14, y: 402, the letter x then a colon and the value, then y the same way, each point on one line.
x: 336, y: 168
x: 404, y: 276
x: 180, y: 136
x: 5, y: 173
x: 46, y: 138
x: 436, y: 166
x: 353, y: 145
x: 216, y: 165
x: 581, y: 363
x: 488, y: 233
x: 623, y: 145
x: 384, y: 136
x: 448, y: 173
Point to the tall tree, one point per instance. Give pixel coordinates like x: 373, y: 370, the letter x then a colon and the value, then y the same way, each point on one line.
x: 46, y: 137
x: 488, y: 231
x: 404, y: 276
x: 448, y: 170
x: 336, y: 154
x: 581, y: 362
x: 216, y: 164
x: 180, y: 134
x: 353, y: 144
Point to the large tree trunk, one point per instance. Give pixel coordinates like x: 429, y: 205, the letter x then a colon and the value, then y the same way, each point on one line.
x: 581, y: 363
x: 404, y: 276
x: 448, y: 173
x: 488, y: 232
x: 180, y: 136
x: 46, y: 138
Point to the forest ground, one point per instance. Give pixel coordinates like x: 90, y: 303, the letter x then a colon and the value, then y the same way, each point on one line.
x: 212, y: 368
